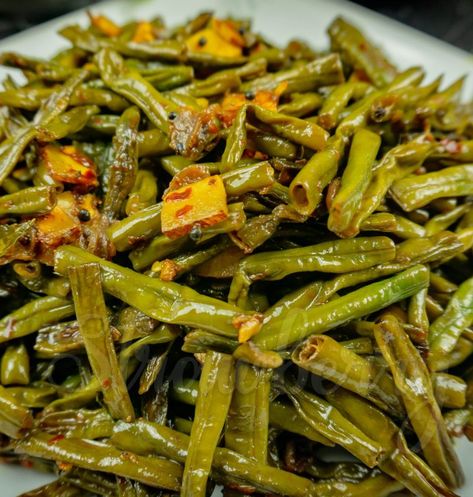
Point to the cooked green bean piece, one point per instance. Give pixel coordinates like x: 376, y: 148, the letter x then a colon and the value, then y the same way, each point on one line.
x: 355, y: 181
x: 68, y: 123
x: 325, y: 357
x: 334, y: 257
x: 447, y: 328
x: 92, y: 317
x: 248, y: 417
x: 143, y: 193
x: 213, y: 402
x: 316, y: 411
x: 297, y: 130
x: 306, y: 189
x: 413, y: 382
x: 58, y: 488
x: 35, y: 396
x: 32, y: 201
x: 14, y: 418
x: 131, y: 85
x: 15, y: 366
x: 338, y: 99
x: 360, y: 52
x: 99, y: 456
x: 33, y: 316
x: 155, y: 50
x: 301, y: 104
x: 413, y: 192
x: 154, y: 438
x: 281, y: 332
x: 123, y: 169
x: 136, y: 227
x: 81, y: 423
x: 450, y: 391
x: 32, y: 98
x: 400, y: 462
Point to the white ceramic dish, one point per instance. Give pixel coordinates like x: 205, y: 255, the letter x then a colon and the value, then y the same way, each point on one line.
x: 280, y: 20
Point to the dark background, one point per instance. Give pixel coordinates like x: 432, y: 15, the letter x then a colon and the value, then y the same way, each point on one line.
x: 450, y: 20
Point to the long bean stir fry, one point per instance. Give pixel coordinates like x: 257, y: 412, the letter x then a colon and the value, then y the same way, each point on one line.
x: 219, y: 256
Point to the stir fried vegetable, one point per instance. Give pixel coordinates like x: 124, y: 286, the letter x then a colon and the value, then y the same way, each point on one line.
x: 218, y: 256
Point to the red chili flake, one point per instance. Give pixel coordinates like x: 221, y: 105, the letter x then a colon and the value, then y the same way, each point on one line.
x: 26, y: 463
x: 179, y: 195
x: 184, y: 210
x: 212, y: 181
x: 56, y: 439
x: 107, y: 383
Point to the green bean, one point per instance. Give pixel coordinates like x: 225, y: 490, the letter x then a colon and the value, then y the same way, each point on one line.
x: 316, y: 411
x: 34, y: 396
x: 297, y: 130
x: 15, y: 366
x: 123, y: 170
x: 417, y: 312
x: 397, y: 162
x: 323, y: 356
x: 168, y: 77
x: 154, y: 438
x: 281, y: 332
x: 61, y: 338
x: 14, y: 418
x: 393, y: 223
x: 252, y: 178
x: 236, y: 141
x: 47, y: 70
x: 400, y: 462
x: 413, y: 192
x: 81, y: 423
x: 58, y: 488
x: 306, y: 189
x: 338, y: 99
x: 301, y: 104
x: 270, y: 144
x: 136, y: 227
x: 144, y: 192
x: 34, y: 315
x: 360, y: 52
x: 32, y: 98
x: 335, y: 257
x: 10, y: 234
x: 450, y: 391
x: 259, y: 229
x: 91, y: 481
x: 285, y: 417
x: 99, y: 456
x: 94, y: 328
x: 248, y: 416
x: 199, y: 341
x: 164, y: 301
x: 170, y: 269
x: 215, y: 393
x: 155, y: 50
x: 307, y: 77
x: 447, y: 328
x: 12, y: 150
x: 131, y: 85
x: 407, y: 366
x: 355, y: 181
x: 32, y: 201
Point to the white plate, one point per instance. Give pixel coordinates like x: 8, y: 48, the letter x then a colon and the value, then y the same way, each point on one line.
x: 280, y: 20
